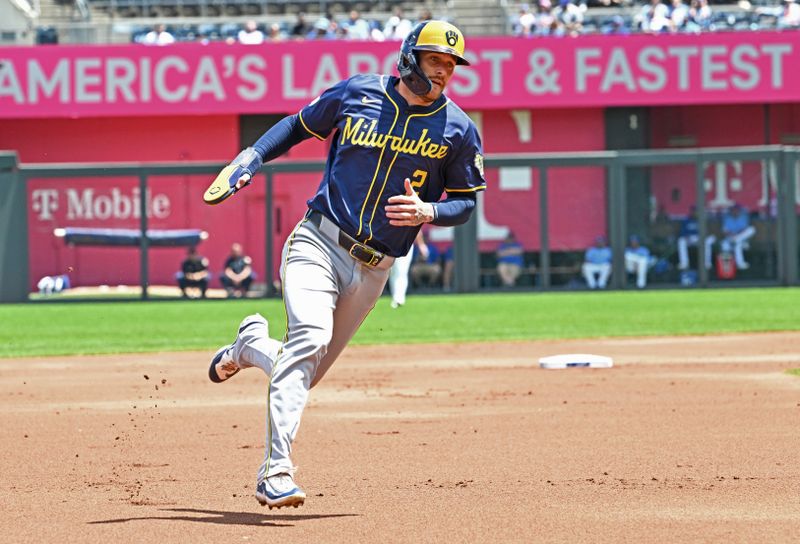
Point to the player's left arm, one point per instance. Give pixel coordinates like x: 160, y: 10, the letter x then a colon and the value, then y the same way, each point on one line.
x: 463, y: 180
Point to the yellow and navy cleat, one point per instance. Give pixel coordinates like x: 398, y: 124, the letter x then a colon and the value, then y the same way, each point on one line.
x: 222, y: 365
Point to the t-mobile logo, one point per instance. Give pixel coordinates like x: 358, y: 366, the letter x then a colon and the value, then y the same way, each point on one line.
x: 44, y: 203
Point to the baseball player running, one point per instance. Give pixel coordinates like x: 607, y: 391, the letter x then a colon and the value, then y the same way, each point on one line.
x: 398, y: 145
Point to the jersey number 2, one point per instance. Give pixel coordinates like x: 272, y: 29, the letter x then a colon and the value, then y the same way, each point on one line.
x: 418, y: 178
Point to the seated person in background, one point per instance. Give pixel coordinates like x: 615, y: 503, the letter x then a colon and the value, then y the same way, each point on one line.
x: 250, y: 34
x: 238, y: 274
x: 427, y: 268
x: 510, y: 261
x: 737, y: 230
x: 300, y: 28
x: 637, y: 261
x: 53, y: 284
x: 398, y: 26
x: 194, y: 273
x: 158, y: 36
x: 597, y: 264
x: 689, y: 235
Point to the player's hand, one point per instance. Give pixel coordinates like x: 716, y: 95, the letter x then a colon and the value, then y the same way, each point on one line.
x: 243, y: 181
x: 408, y: 210
x: 234, y: 177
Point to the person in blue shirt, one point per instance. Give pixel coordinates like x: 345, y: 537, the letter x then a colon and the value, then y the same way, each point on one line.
x: 597, y: 264
x: 397, y: 145
x: 510, y: 260
x: 737, y: 230
x: 637, y: 260
x: 689, y: 235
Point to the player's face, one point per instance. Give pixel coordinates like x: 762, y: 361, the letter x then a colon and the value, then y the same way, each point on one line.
x: 439, y: 68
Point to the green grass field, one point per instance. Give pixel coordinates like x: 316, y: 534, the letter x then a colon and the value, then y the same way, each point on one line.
x: 131, y: 327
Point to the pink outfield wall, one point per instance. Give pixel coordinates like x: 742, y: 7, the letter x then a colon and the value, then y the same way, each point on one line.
x: 577, y: 195
x: 176, y: 203
x: 73, y: 120
x: 590, y: 71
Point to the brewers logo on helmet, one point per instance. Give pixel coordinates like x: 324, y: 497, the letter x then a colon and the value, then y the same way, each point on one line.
x: 428, y: 36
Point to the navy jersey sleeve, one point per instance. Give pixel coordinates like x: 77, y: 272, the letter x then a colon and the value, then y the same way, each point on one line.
x: 319, y: 117
x: 464, y: 172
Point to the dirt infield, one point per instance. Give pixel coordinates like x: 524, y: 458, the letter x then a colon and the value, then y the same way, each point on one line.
x: 685, y: 440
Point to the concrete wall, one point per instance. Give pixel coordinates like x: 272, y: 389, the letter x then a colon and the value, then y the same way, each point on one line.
x: 17, y: 21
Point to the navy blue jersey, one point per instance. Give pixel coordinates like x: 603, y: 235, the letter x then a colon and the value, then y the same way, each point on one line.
x: 379, y: 141
x: 237, y: 264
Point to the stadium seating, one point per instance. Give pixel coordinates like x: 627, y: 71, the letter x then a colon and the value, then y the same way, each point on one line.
x: 213, y: 20
x: 127, y: 9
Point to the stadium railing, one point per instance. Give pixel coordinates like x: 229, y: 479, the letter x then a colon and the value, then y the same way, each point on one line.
x: 14, y: 278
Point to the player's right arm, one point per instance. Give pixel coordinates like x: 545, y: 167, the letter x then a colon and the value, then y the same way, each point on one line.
x: 317, y: 119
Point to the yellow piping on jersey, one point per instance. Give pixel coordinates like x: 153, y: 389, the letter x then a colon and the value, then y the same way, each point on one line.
x: 300, y: 116
x: 397, y: 152
x: 469, y: 190
x: 378, y: 167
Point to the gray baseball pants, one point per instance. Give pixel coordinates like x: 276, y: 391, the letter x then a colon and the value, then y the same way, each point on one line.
x: 327, y: 294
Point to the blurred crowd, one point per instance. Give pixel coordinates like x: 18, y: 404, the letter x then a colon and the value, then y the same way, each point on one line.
x: 325, y: 27
x: 575, y: 17
x: 541, y: 18
x: 544, y: 18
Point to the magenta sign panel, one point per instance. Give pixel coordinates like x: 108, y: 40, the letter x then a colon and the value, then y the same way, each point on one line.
x: 596, y: 71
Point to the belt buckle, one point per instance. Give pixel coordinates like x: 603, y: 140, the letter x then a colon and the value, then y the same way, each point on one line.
x: 365, y: 254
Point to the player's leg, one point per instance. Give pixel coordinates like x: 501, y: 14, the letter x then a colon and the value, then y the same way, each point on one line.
x: 683, y: 252
x: 447, y: 274
x: 738, y: 253
x: 631, y: 265
x: 739, y: 242
x: 506, y: 279
x: 515, y: 273
x: 603, y: 272
x: 252, y: 348
x: 310, y: 293
x: 227, y: 284
x: 246, y: 284
x: 588, y: 271
x: 181, y: 283
x: 355, y: 302
x: 398, y: 279
x: 709, y: 249
x: 639, y: 265
x: 46, y: 285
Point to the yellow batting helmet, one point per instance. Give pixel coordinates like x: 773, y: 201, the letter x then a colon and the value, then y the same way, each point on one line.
x: 436, y: 36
